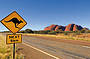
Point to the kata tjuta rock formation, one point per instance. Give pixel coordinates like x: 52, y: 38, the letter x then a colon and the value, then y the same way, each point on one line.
x: 52, y: 27
x: 70, y: 27
x: 60, y: 27
x: 73, y: 27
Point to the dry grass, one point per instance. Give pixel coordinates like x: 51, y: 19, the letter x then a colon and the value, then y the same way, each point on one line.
x: 71, y: 36
x: 6, y: 50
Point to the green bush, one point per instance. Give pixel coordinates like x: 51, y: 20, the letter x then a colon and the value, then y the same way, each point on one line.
x: 78, y: 33
x: 82, y: 31
x: 59, y: 31
x: 36, y: 32
x: 52, y: 32
x: 22, y: 31
x: 66, y: 32
x: 28, y: 31
x: 41, y: 32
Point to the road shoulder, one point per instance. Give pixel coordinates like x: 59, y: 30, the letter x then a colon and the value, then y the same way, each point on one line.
x: 31, y: 53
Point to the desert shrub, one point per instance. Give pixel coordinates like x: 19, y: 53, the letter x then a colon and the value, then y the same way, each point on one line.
x: 71, y: 32
x: 88, y: 31
x: 28, y: 31
x: 59, y: 31
x: 48, y: 31
x: 44, y: 32
x: 36, y: 32
x: 52, y: 32
x: 41, y: 32
x: 6, y: 50
x: 66, y: 32
x: 78, y: 33
x: 82, y: 31
x: 22, y: 31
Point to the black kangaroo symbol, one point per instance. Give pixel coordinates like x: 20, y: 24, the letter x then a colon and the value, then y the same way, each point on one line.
x: 15, y: 21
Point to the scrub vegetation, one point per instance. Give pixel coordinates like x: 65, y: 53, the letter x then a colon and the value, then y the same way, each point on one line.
x: 6, y: 50
x: 70, y: 35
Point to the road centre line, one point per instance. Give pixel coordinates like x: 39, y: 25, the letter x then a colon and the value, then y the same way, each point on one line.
x: 41, y: 51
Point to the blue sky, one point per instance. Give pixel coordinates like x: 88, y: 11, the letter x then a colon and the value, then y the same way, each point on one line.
x: 42, y: 13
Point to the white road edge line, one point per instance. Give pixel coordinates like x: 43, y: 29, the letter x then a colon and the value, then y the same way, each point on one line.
x: 85, y: 46
x: 42, y: 51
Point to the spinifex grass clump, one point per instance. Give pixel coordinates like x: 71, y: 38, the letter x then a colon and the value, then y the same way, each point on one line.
x: 6, y: 50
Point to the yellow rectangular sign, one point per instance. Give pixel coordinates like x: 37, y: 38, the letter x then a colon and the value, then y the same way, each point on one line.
x: 11, y: 38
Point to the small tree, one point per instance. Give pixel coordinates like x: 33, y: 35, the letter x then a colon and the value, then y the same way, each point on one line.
x: 28, y: 31
x: 83, y: 31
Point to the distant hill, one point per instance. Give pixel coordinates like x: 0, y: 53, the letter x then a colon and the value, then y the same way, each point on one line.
x: 69, y: 27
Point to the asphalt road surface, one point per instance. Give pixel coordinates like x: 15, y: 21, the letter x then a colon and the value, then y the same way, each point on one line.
x: 57, y: 49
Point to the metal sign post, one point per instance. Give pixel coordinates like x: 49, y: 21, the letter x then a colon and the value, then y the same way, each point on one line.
x: 13, y: 50
x: 14, y: 22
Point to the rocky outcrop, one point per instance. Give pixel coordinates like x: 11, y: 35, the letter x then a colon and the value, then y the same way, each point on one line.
x: 70, y: 27
x: 73, y: 27
x: 52, y: 27
x: 60, y: 27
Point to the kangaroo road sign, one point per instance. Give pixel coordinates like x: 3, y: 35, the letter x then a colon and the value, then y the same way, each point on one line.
x: 11, y: 38
x: 14, y: 22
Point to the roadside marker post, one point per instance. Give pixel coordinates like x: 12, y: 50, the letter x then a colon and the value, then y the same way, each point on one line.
x: 14, y: 22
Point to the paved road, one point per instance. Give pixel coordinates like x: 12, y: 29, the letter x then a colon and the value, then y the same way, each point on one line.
x: 59, y: 49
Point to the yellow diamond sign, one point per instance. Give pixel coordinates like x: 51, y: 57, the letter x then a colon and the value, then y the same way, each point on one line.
x: 14, y: 22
